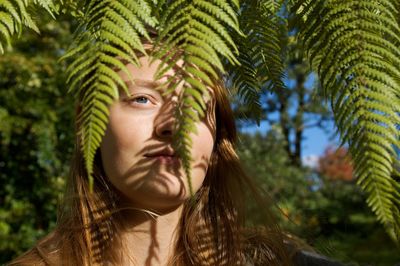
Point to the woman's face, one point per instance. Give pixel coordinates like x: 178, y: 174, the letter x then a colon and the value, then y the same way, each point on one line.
x: 137, y: 153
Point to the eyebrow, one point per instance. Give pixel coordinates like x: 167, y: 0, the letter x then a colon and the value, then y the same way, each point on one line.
x: 145, y: 83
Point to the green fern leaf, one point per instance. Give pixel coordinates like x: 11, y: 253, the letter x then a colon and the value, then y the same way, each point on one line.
x: 200, y: 74
x: 14, y: 16
x: 8, y: 21
x: 203, y: 65
x: 355, y: 48
x: 261, y: 54
x: 8, y: 6
x: 4, y: 33
x: 112, y: 32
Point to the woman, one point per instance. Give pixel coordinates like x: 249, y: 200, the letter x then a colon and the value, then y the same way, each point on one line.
x: 140, y: 211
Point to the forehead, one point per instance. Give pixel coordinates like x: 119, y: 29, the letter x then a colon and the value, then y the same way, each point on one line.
x: 144, y: 75
x: 147, y: 70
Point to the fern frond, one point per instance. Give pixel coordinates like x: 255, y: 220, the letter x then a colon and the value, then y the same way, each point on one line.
x: 8, y: 21
x: 12, y: 18
x: 261, y: 53
x: 14, y: 15
x: 112, y: 30
x: 355, y: 47
x: 200, y: 31
x: 48, y: 5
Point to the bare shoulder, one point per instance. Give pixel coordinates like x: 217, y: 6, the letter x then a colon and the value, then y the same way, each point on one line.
x: 28, y: 258
x: 44, y: 253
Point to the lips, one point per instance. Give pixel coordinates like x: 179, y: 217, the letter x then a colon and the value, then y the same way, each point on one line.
x: 166, y: 156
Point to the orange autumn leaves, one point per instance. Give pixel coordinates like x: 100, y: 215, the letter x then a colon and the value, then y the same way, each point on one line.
x: 335, y: 164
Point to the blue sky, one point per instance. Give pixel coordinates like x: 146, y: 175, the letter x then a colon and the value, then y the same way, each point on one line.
x: 315, y: 139
x: 314, y: 143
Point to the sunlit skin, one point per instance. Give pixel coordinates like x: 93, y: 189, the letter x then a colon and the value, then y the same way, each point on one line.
x: 139, y: 160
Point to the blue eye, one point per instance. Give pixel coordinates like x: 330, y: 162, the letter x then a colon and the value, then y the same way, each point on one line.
x: 141, y: 99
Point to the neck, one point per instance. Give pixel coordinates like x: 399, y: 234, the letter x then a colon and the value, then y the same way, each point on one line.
x: 147, y: 239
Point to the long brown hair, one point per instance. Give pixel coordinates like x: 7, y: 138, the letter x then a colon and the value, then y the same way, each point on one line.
x: 213, y: 228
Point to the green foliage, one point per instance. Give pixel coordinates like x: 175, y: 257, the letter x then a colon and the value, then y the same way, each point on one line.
x: 16, y: 14
x: 331, y: 215
x: 36, y: 136
x: 354, y: 46
x: 31, y: 162
x: 265, y: 159
x: 261, y: 53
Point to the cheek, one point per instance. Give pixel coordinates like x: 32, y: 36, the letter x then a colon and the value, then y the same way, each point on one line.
x: 110, y: 154
x: 121, y: 147
x: 128, y: 128
x: 203, y: 144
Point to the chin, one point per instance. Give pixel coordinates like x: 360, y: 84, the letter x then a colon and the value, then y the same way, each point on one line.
x: 159, y: 192
x: 158, y: 196
x: 162, y: 205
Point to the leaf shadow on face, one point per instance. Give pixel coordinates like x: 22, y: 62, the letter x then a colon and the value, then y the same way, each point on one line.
x: 163, y: 177
x: 150, y: 169
x: 111, y: 206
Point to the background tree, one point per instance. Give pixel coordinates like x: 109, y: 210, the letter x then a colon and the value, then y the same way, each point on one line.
x: 36, y: 133
x: 288, y: 93
x: 335, y: 164
x: 330, y: 214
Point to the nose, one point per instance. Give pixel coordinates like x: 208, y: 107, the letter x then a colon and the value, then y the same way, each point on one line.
x: 165, y: 124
